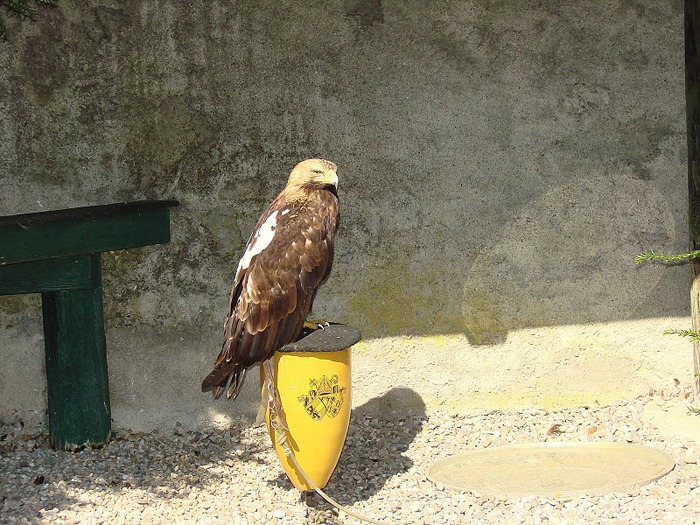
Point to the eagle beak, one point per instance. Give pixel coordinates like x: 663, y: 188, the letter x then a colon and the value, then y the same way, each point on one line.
x: 332, y: 177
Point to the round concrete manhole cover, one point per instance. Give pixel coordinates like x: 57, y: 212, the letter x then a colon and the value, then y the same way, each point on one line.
x: 552, y: 469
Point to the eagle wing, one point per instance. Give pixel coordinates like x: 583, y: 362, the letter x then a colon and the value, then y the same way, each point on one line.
x: 287, y: 257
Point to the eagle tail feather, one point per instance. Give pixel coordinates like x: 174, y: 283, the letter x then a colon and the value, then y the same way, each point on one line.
x: 237, y: 378
x: 221, y: 380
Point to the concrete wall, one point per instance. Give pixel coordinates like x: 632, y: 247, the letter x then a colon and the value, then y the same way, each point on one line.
x: 500, y: 163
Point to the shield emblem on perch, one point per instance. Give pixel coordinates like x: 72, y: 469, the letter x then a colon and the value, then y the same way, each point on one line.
x: 325, y: 397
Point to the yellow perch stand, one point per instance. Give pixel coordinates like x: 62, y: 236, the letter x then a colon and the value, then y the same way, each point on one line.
x: 313, y: 381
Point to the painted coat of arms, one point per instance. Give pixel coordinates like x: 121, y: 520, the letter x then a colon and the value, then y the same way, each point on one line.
x: 325, y: 397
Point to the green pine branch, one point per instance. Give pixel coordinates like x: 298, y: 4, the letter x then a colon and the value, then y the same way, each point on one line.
x: 652, y: 256
x: 24, y: 8
x: 693, y: 335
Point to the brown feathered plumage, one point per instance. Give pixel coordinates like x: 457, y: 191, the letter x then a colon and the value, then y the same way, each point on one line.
x: 287, y: 257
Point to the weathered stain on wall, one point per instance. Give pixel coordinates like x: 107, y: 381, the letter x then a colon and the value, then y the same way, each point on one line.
x: 501, y: 163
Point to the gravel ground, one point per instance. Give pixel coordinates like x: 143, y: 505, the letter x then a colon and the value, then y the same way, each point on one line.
x: 232, y: 476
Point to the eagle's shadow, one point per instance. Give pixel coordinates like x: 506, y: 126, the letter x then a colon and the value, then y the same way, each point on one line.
x: 380, y: 432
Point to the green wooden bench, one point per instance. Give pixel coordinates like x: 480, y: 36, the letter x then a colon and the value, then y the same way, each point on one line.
x: 57, y: 254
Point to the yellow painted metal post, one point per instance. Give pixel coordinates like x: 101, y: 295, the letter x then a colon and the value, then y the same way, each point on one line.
x: 316, y: 396
x: 313, y: 378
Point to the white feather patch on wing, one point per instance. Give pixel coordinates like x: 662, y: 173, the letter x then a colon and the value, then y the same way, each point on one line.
x: 261, y: 240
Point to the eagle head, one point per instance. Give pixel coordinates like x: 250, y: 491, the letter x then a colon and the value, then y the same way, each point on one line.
x: 313, y: 174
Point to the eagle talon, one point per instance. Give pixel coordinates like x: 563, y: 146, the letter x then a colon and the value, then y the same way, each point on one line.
x: 319, y: 512
x: 316, y: 325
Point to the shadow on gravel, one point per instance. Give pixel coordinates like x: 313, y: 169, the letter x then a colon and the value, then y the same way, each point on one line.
x: 42, y: 485
x: 380, y: 432
x: 145, y: 473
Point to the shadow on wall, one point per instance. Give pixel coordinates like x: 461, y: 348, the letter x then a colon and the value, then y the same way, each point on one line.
x: 566, y: 257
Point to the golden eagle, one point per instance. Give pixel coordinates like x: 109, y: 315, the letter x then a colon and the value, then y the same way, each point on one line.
x: 287, y: 257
